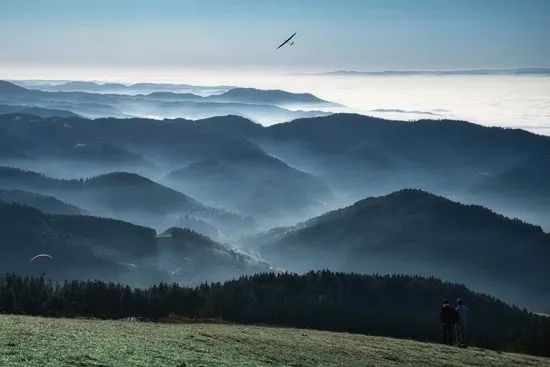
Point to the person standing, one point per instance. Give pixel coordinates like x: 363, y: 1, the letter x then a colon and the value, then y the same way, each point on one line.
x: 462, y: 311
x: 448, y: 317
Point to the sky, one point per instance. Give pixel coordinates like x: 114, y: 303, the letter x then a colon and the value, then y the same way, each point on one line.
x: 243, y: 34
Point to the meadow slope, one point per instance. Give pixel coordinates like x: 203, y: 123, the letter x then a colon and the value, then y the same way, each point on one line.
x: 36, y: 341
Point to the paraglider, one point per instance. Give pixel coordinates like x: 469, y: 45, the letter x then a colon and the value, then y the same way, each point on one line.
x: 285, y: 42
x: 40, y: 256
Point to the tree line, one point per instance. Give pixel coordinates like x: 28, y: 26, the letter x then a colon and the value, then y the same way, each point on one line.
x: 397, y: 305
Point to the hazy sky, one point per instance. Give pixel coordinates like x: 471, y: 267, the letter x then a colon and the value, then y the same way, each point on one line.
x: 214, y: 34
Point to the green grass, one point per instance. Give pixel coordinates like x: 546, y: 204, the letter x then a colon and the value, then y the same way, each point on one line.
x: 36, y: 341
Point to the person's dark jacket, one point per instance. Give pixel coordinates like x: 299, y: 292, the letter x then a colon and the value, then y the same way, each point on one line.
x: 448, y: 315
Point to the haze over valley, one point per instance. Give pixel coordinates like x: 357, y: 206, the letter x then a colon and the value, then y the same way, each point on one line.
x: 228, y: 190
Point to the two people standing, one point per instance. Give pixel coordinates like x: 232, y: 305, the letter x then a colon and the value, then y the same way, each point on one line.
x: 453, y: 323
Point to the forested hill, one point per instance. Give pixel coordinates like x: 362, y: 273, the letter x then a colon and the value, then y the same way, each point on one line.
x: 46, y: 204
x: 74, y: 242
x: 415, y: 232
x: 86, y: 247
x: 399, y: 306
x: 123, y: 195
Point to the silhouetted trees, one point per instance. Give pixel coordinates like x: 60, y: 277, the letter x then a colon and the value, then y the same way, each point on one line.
x: 399, y: 306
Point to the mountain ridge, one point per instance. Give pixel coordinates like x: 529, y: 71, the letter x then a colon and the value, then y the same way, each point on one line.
x: 122, y: 194
x: 260, y: 105
x: 90, y: 247
x: 415, y: 232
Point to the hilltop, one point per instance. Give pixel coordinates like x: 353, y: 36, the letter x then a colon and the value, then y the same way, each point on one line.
x: 392, y: 306
x: 35, y: 341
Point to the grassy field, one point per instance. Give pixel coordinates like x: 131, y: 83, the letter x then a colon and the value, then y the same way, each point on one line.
x: 35, y: 341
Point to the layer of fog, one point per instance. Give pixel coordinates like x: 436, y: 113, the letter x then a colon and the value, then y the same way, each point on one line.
x: 505, y: 101
x: 518, y: 101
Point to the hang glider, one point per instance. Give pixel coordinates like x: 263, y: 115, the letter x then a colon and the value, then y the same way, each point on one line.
x: 41, y: 256
x: 288, y: 40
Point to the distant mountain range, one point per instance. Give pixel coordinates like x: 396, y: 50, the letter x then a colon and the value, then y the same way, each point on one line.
x: 209, y: 159
x: 86, y: 99
x: 253, y: 183
x: 128, y: 196
x: 353, y: 156
x: 37, y: 111
x: 274, y: 97
x: 85, y: 247
x: 415, y: 232
x: 180, y: 91
x: 133, y: 141
x: 361, y: 156
x: 512, y: 71
x: 228, y: 176
x: 118, y: 88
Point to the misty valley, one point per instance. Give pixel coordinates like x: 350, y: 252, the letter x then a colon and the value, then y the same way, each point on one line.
x: 150, y: 183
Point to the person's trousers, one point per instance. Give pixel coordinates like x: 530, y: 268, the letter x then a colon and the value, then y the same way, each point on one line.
x: 447, y: 334
x: 460, y: 333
